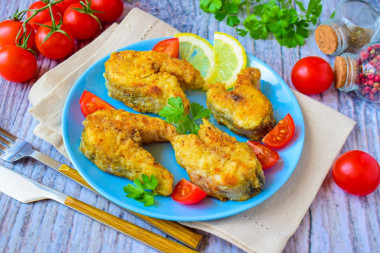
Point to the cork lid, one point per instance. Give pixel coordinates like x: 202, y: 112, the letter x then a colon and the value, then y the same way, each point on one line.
x: 340, y: 71
x: 326, y: 39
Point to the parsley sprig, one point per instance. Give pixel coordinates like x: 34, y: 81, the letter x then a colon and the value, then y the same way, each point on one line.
x: 175, y: 113
x: 142, y: 191
x: 262, y: 18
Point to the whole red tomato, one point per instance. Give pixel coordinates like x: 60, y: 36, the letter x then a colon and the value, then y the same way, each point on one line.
x: 82, y: 25
x: 17, y: 64
x: 312, y: 75
x: 65, y: 4
x: 356, y: 172
x: 43, y: 16
x: 58, y: 45
x: 9, y: 30
x: 110, y: 10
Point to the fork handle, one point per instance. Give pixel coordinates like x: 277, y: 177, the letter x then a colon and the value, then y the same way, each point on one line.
x: 171, y: 228
x: 145, y: 236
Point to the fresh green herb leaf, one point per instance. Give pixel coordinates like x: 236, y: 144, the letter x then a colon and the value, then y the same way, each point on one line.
x: 279, y: 18
x: 175, y: 113
x: 142, y: 191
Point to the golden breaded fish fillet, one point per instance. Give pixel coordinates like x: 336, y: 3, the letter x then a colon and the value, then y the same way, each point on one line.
x: 219, y: 164
x: 144, y: 80
x: 112, y: 140
x: 245, y: 109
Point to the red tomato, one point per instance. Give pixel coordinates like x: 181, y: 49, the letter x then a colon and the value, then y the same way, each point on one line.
x: 266, y: 156
x: 57, y: 46
x: 90, y: 103
x: 43, y: 16
x: 281, y: 134
x: 82, y: 25
x: 17, y: 64
x: 65, y: 4
x: 9, y: 30
x: 312, y: 75
x: 169, y: 46
x: 356, y: 172
x: 110, y: 9
x: 187, y: 193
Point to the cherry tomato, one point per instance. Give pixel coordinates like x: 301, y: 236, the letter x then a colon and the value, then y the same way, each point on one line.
x: 57, y: 46
x: 90, y: 103
x: 356, y: 172
x: 266, y: 156
x: 82, y: 25
x: 312, y: 75
x: 169, y: 46
x: 65, y: 4
x: 110, y: 10
x: 43, y: 16
x: 9, y: 30
x: 281, y: 134
x: 187, y: 193
x: 17, y: 64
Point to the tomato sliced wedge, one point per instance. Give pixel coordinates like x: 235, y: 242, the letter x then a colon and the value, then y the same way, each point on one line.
x: 187, y: 193
x: 266, y: 156
x: 169, y: 46
x: 90, y: 103
x: 281, y: 134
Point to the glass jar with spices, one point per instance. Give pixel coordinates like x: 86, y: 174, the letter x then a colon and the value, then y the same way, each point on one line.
x: 355, y: 24
x: 360, y: 72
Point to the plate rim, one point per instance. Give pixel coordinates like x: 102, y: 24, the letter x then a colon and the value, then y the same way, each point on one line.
x: 146, y: 212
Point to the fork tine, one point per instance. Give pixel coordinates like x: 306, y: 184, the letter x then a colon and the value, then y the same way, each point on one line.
x: 5, y: 141
x: 8, y: 134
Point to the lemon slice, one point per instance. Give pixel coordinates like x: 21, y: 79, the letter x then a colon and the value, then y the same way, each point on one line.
x: 229, y: 59
x: 196, y: 51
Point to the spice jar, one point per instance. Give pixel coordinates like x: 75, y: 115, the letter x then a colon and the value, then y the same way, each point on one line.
x: 356, y: 23
x: 360, y: 72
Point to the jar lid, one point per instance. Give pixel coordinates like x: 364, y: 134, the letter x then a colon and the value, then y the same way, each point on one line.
x: 326, y: 39
x: 340, y: 71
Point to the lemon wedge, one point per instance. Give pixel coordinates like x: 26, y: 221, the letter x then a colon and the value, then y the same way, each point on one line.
x: 229, y: 59
x: 196, y: 51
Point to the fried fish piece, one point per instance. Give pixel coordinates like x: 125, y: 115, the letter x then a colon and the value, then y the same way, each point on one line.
x: 112, y: 140
x: 144, y: 80
x: 245, y: 109
x: 219, y: 164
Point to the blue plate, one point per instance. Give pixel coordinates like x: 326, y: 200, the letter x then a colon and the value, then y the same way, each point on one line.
x: 111, y: 186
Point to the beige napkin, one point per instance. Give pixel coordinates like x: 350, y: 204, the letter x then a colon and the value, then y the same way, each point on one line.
x: 265, y: 228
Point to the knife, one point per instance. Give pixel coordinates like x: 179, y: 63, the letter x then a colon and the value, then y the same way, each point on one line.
x: 27, y: 190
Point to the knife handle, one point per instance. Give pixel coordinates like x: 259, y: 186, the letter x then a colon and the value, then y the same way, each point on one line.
x: 171, y: 228
x: 145, y: 236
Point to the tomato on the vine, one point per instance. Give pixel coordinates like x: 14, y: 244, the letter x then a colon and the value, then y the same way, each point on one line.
x: 43, y: 16
x: 168, y: 46
x: 356, y: 172
x: 187, y: 193
x: 65, y: 4
x: 281, y: 134
x: 9, y: 30
x: 83, y: 24
x: 90, y: 103
x: 58, y: 45
x: 17, y: 64
x: 312, y: 75
x: 109, y: 10
x: 266, y: 156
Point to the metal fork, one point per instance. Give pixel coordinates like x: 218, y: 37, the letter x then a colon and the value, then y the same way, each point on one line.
x: 13, y: 149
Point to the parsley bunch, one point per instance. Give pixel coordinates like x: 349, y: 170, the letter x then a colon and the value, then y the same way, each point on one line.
x: 175, y: 113
x: 279, y: 18
x: 139, y: 192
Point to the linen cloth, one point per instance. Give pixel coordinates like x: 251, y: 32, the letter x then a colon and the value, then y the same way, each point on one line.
x: 264, y: 228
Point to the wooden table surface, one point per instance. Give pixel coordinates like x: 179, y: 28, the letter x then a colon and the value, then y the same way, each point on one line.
x: 335, y: 222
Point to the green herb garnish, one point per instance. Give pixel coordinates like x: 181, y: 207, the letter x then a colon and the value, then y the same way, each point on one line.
x: 279, y: 18
x: 175, y: 113
x: 142, y: 191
